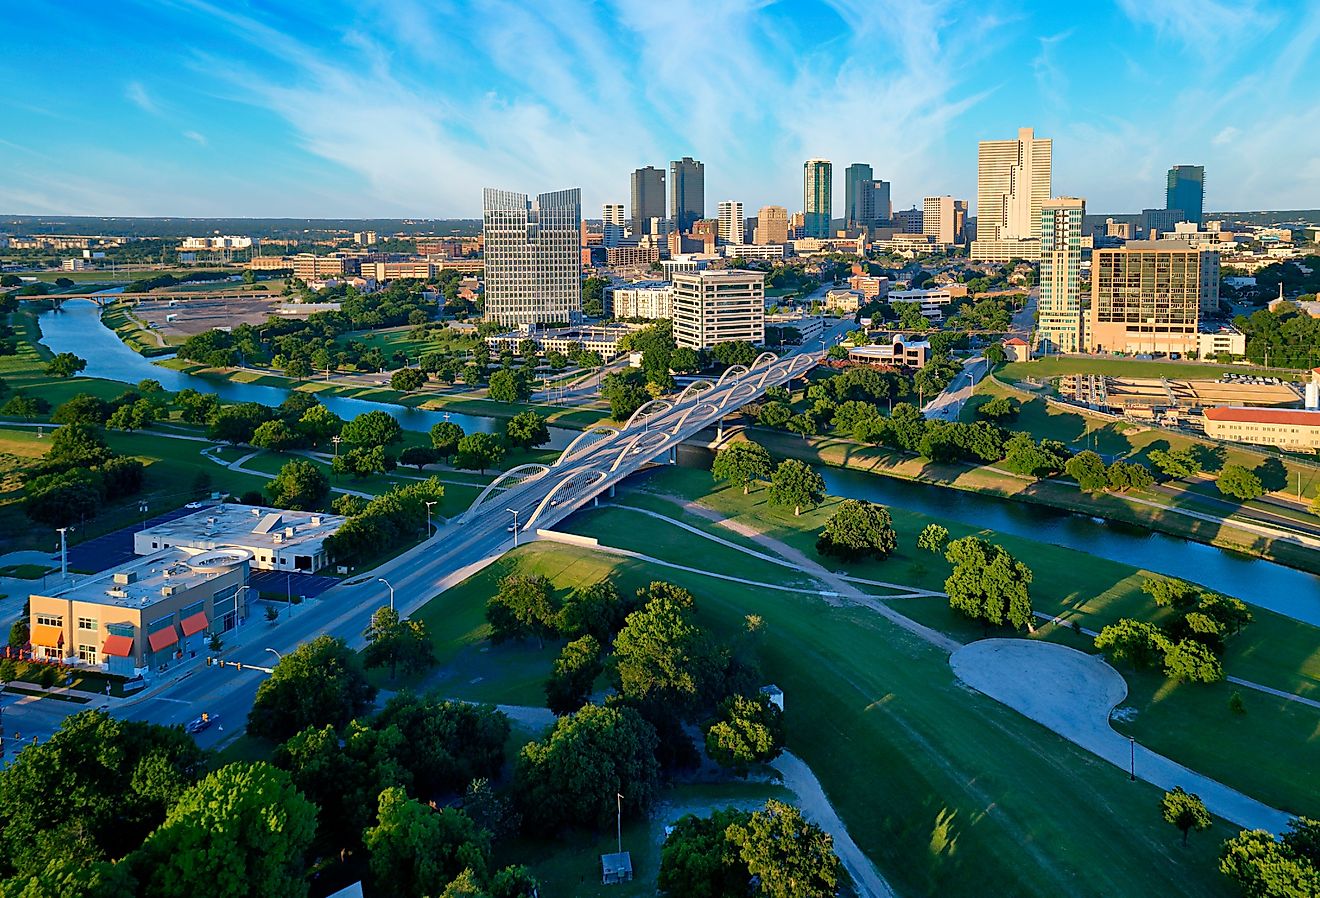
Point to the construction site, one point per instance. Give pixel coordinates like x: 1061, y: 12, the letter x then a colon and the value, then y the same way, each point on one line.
x: 1167, y: 400
x: 174, y: 316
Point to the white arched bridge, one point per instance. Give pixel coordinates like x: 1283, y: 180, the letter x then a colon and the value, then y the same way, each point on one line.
x: 541, y: 495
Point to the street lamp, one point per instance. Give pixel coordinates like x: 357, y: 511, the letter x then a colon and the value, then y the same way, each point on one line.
x: 64, y: 552
x: 336, y: 439
x: 514, y: 512
x: 429, y: 531
x: 1132, y: 769
x: 278, y: 656
x: 387, y: 583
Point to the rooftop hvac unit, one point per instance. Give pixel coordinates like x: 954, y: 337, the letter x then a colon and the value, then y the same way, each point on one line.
x: 123, y: 578
x: 117, y: 593
x: 168, y: 590
x: 316, y: 520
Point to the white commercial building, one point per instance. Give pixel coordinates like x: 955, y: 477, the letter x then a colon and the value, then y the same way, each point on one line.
x: 1013, y: 181
x: 533, y: 258
x: 731, y: 224
x: 932, y: 302
x: 615, y: 224
x: 753, y: 251
x: 207, y: 243
x: 645, y: 299
x: 715, y: 306
x: 277, y: 539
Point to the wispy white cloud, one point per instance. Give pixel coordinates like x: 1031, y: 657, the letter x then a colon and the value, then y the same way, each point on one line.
x: 1226, y: 136
x: 137, y: 94
x: 195, y: 137
x: 1051, y: 78
x: 1208, y: 28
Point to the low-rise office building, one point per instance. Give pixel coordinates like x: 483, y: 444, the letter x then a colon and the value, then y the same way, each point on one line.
x: 932, y: 302
x: 843, y: 302
x: 644, y: 299
x: 716, y: 306
x: 1297, y: 430
x: 1006, y: 250
x: 899, y: 352
x: 143, y: 614
x: 1213, y: 340
x: 602, y: 338
x: 277, y: 539
x: 772, y: 251
x: 870, y: 286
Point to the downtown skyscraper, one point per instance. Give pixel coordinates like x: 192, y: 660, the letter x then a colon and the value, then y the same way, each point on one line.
x: 732, y: 225
x: 1062, y: 318
x: 1013, y: 181
x: 1186, y: 192
x: 687, y: 192
x: 533, y: 261
x: 648, y: 199
x: 858, y: 196
x: 817, y: 193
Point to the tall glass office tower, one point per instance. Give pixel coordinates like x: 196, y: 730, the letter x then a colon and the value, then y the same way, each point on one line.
x: 1186, y: 191
x: 817, y: 190
x: 533, y: 257
x: 687, y: 192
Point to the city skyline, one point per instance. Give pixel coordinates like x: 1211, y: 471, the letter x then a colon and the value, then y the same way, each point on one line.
x: 331, y: 110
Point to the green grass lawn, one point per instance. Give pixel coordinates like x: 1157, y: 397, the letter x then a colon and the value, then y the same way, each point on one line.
x: 393, y: 339
x: 1040, y: 369
x: 25, y: 571
x: 25, y: 370
x: 133, y: 333
x: 948, y: 791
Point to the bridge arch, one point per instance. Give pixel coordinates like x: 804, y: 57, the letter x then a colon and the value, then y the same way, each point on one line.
x: 651, y: 439
x: 581, y: 481
x: 742, y: 391
x: 511, y: 478
x: 581, y: 443
x: 693, y: 389
x: 731, y: 371
x: 764, y: 358
x: 701, y: 409
x: 648, y: 409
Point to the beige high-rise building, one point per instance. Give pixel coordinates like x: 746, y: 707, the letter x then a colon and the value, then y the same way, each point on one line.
x: 714, y: 306
x: 731, y: 224
x: 771, y: 226
x: 1148, y: 295
x: 945, y: 219
x: 1062, y: 318
x: 1012, y: 183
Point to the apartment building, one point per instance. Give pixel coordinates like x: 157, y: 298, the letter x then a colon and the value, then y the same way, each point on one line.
x: 645, y: 299
x: 731, y: 226
x: 714, y: 306
x: 1148, y: 296
x: 1062, y: 317
x: 945, y: 219
x: 817, y: 199
x: 870, y: 286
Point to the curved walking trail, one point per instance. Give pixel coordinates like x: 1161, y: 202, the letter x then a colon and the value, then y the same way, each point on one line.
x: 1073, y: 694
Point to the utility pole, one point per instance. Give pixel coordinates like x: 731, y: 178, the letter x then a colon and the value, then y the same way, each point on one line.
x: 64, y: 553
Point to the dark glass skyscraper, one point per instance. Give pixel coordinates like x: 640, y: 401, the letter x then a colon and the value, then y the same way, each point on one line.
x: 687, y: 192
x: 858, y: 201
x: 648, y: 198
x: 1187, y: 191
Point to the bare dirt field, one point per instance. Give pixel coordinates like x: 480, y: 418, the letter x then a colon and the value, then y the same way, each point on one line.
x: 180, y: 316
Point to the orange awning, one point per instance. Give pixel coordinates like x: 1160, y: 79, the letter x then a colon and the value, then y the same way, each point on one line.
x: 195, y: 623
x: 118, y: 646
x: 162, y: 639
x: 46, y: 635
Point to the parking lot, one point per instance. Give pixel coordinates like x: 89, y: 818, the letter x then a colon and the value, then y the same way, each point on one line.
x: 115, y: 548
x: 285, y: 583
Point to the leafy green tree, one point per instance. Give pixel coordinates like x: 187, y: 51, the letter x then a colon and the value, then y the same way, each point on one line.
x: 625, y: 393
x: 1000, y: 408
x: 362, y: 461
x: 507, y: 385
x: 774, y: 414
x: 479, y: 451
x: 73, y: 877
x: 1124, y: 476
x: 300, y: 485
x: 1024, y: 455
x: 1265, y: 867
x: 446, y: 744
x: 418, y: 850
x: 78, y: 445
x: 21, y: 405
x: 750, y: 730
x: 663, y: 658
x: 320, y: 682
x: 1089, y: 470
x: 995, y: 354
x: 19, y: 634
x: 1193, y: 661
x: 277, y: 436
x: 598, y: 610
x: 1171, y: 593
x: 1176, y: 463
x: 82, y: 409
x: 65, y: 364
x: 92, y: 791
x: 742, y: 464
x: 988, y: 584
x: 697, y: 860
x: 802, y: 425
x: 791, y: 857
x: 933, y: 538
x: 1140, y: 644
x: 573, y: 674
x: 393, y: 641
x: 858, y: 529
x: 406, y: 380
x: 62, y: 499
x: 418, y: 457
x: 796, y: 484
x: 445, y: 437
x: 523, y: 606
x: 1229, y: 613
x: 195, y: 407
x: 1184, y: 810
x: 1240, y: 483
x: 526, y: 429
x: 241, y: 831
x: 371, y: 429
x: 318, y: 424
x: 236, y: 424
x: 571, y: 777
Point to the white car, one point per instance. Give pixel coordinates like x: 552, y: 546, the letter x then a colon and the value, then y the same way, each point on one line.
x: 195, y: 505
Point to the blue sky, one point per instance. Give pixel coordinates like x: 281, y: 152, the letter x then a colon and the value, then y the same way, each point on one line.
x: 407, y: 108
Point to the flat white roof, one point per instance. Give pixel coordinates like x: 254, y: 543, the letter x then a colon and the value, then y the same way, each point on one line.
x: 142, y: 582
x: 249, y: 526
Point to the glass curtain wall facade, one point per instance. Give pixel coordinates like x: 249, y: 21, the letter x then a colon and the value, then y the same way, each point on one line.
x: 533, y: 258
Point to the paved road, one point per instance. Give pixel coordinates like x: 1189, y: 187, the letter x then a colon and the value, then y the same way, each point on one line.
x: 948, y: 405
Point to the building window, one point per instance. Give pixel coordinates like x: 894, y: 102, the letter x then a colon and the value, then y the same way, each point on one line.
x: 87, y: 654
x: 87, y: 623
x: 50, y: 620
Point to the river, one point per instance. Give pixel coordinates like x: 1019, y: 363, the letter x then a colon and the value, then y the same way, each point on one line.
x: 1277, y: 587
x: 77, y: 328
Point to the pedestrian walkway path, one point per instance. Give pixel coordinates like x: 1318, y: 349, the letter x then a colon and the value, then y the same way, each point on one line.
x: 1074, y: 694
